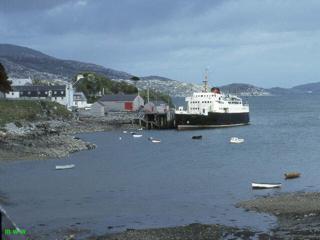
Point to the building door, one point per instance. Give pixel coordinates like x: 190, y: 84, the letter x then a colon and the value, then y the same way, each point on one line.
x: 128, y: 106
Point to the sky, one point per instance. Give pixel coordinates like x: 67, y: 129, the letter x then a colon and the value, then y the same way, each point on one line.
x: 266, y: 43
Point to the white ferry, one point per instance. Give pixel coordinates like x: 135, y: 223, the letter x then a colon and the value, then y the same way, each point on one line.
x: 212, y: 109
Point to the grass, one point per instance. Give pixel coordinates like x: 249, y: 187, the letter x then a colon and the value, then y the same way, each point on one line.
x: 31, y: 110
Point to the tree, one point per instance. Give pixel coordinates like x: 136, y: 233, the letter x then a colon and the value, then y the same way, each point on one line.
x: 5, y: 85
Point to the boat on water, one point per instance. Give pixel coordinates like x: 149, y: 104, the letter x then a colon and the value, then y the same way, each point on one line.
x: 291, y: 175
x: 135, y: 135
x: 212, y: 109
x: 236, y: 140
x: 197, y: 137
x: 153, y: 140
x: 62, y: 167
x: 265, y: 185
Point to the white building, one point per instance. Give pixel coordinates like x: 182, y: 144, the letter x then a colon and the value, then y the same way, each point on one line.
x: 80, y: 100
x: 62, y: 94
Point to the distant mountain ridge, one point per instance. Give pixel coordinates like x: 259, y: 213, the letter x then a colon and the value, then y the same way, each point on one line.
x: 23, y: 62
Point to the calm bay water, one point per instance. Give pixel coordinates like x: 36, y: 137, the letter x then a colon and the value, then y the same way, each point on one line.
x: 132, y: 183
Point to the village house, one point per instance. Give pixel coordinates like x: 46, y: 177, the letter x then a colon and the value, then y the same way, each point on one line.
x: 122, y: 102
x: 156, y: 107
x: 118, y: 103
x: 80, y: 101
x: 62, y: 94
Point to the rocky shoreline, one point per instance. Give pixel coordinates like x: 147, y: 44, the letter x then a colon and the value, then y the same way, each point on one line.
x: 298, y: 216
x: 49, y: 139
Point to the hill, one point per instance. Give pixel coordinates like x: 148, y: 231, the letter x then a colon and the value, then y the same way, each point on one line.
x: 243, y: 89
x: 308, y: 88
x: 23, y: 62
x: 168, y: 86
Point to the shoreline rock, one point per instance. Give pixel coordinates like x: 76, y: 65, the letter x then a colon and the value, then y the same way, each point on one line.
x: 190, y: 232
x: 298, y: 214
x: 48, y: 139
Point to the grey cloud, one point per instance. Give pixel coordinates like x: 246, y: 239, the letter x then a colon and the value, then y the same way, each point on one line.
x: 240, y: 40
x: 11, y: 6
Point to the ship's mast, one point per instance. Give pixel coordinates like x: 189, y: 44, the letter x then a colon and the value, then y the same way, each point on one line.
x: 205, y: 81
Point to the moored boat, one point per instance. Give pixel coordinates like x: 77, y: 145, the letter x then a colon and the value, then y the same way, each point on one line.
x: 62, y: 167
x: 197, y: 137
x: 236, y: 140
x: 212, y: 109
x: 291, y: 175
x: 265, y: 185
x: 153, y: 140
x: 136, y: 135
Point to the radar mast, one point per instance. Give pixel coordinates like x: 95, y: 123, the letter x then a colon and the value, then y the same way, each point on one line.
x: 205, y: 81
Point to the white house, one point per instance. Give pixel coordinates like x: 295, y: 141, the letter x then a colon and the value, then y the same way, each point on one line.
x: 80, y: 100
x: 62, y: 94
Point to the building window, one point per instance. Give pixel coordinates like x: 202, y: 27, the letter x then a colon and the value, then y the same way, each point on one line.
x: 29, y: 93
x: 12, y: 93
x: 61, y: 92
x: 55, y: 92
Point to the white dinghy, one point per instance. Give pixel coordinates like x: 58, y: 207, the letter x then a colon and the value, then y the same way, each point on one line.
x: 62, y: 167
x: 153, y: 140
x: 236, y: 140
x: 265, y: 185
x: 136, y: 135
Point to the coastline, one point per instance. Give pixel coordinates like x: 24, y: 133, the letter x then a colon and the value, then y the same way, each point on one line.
x: 50, y: 139
x: 297, y: 213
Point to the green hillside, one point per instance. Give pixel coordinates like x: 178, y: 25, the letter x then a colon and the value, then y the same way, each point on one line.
x: 29, y: 110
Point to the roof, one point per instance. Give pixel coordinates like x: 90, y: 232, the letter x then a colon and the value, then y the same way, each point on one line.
x: 39, y: 88
x: 159, y: 102
x: 118, y: 97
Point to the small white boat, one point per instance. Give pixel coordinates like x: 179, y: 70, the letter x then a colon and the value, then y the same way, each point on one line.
x: 137, y: 135
x: 140, y: 129
x: 62, y: 167
x: 153, y: 140
x: 125, y: 132
x: 265, y: 185
x: 236, y: 140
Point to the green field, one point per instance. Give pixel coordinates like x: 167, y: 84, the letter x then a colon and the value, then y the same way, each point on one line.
x: 31, y: 110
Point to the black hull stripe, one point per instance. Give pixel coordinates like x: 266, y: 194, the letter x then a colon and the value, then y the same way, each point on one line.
x: 212, y: 120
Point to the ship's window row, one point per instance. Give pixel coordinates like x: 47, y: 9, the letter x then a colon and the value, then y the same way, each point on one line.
x: 202, y: 102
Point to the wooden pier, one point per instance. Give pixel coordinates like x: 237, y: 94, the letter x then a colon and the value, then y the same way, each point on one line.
x: 157, y: 120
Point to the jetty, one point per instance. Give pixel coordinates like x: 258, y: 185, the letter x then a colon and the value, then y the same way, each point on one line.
x: 156, y: 120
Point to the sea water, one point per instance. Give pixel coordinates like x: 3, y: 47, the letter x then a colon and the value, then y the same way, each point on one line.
x: 134, y: 183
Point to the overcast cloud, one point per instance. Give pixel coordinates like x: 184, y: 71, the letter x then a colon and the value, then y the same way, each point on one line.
x: 263, y: 42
